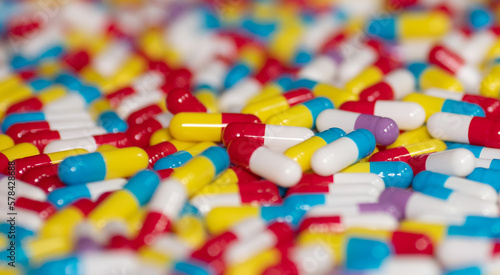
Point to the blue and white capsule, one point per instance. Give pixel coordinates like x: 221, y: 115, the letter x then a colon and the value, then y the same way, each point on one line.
x: 303, y: 114
x: 343, y: 152
x: 473, y: 188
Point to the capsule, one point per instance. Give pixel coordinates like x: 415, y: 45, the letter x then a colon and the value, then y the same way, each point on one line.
x: 179, y: 158
x: 303, y: 114
x: 50, y: 117
x: 24, y: 164
x: 303, y: 151
x: 172, y: 193
x: 341, y: 223
x: 17, y: 151
x: 23, y: 189
x: 394, y: 173
x: 412, y: 204
x: 490, y: 84
x: 450, y: 61
x: 433, y: 105
x: 90, y: 143
x: 396, y: 85
x: 486, y: 176
x: 124, y: 202
x: 163, y: 149
x: 404, y: 153
x: 384, y: 129
x: 490, y: 106
x: 407, y: 115
x: 264, y: 109
x: 478, y: 151
x: 493, y: 164
x: 463, y: 202
x: 181, y: 100
x: 410, y: 137
x: 343, y: 152
x: 251, y: 59
x: 464, y: 129
x: 276, y: 137
x: 453, y: 162
x: 140, y: 134
x: 363, y: 56
x: 62, y: 197
x: 262, y: 161
x: 461, y: 251
x: 410, y: 25
x: 63, y: 222
x: 102, y: 166
x: 255, y: 193
x: 371, y: 75
x: 472, y: 188
x: 203, y: 126
x: 5, y: 142
x: 18, y: 130
x: 336, y: 95
x: 430, y: 76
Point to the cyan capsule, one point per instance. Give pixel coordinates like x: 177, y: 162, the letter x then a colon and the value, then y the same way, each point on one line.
x: 67, y: 195
x: 363, y: 254
x: 343, y: 152
x: 179, y: 158
x: 487, y: 176
x: 120, y: 204
x: 480, y: 17
x: 394, y: 173
x: 120, y: 163
x: 111, y: 122
x: 478, y: 151
x: 477, y: 189
x: 432, y: 105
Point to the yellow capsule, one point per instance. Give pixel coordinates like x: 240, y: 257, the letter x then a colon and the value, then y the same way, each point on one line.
x: 410, y: 137
x: 40, y: 250
x: 434, y: 77
x: 105, y: 148
x: 428, y: 146
x: 62, y: 223
x: 221, y: 219
x: 118, y: 206
x: 5, y: 142
x: 11, y: 81
x: 191, y: 230
x: 152, y: 43
x: 253, y: 56
x: 490, y: 85
x: 366, y: 78
x: 303, y: 152
x: 98, y: 107
x: 49, y: 69
x: 266, y: 108
x: 257, y: 264
x: 336, y: 95
x: 20, y: 150
x: 494, y: 51
x: 435, y: 231
x: 13, y: 97
x: 298, y: 115
x: 335, y: 242
x: 216, y: 189
x: 208, y: 99
x: 423, y: 24
x: 127, y: 72
x: 431, y: 104
x: 269, y: 90
x: 51, y: 94
x: 204, y: 126
x: 134, y: 222
x: 228, y: 177
x: 88, y: 74
x: 160, y: 136
x: 195, y: 174
x: 173, y: 58
x: 9, y: 270
x: 125, y: 162
x: 57, y: 157
x: 154, y: 257
x: 284, y: 44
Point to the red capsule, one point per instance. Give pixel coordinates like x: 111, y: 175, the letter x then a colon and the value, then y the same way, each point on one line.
x: 143, y: 114
x: 182, y: 100
x: 43, y: 209
x: 27, y: 105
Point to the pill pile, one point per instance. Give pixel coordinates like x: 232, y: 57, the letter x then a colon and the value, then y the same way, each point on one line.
x: 249, y: 137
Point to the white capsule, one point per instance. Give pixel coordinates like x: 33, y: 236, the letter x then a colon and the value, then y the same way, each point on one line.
x: 71, y: 124
x: 321, y: 69
x: 313, y: 259
x: 409, y: 265
x: 72, y: 101
x: 235, y: 98
x: 205, y: 203
x: 172, y: 245
x: 358, y: 57
x: 449, y: 127
x: 401, y: 81
x: 463, y: 251
x: 275, y: 167
x: 138, y: 101
x: 279, y: 138
x: 456, y: 162
x: 359, y: 178
x: 212, y: 75
x: 22, y: 189
x: 473, y: 188
x: 169, y: 198
x: 444, y: 94
x: 407, y: 115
